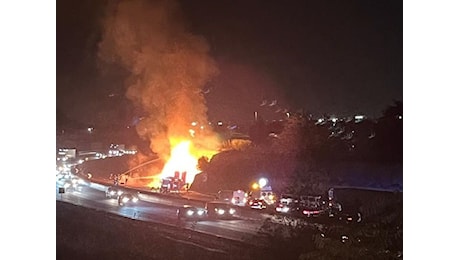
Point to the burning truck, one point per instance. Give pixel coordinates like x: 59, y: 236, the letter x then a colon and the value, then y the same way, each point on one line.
x: 180, y: 168
x: 174, y: 184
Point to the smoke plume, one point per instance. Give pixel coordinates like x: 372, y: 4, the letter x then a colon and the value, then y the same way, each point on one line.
x: 168, y: 68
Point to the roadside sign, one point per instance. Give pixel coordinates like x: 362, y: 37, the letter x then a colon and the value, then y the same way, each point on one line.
x: 61, y: 190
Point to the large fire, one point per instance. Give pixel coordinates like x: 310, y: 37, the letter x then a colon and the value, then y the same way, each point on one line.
x: 169, y: 68
x: 184, y: 158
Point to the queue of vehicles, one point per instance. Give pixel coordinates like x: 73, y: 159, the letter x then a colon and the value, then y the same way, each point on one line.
x: 123, y: 196
x: 227, y: 202
x: 306, y: 206
x: 211, y: 210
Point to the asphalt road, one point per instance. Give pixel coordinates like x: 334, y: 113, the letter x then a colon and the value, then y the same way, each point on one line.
x: 162, y: 209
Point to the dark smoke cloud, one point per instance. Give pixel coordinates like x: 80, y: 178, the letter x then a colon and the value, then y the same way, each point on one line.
x: 169, y: 66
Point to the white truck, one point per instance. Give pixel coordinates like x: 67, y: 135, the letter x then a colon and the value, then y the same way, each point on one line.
x: 236, y: 197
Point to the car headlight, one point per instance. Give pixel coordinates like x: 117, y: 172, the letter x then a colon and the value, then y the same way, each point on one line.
x: 119, y: 192
x: 189, y: 212
x: 220, y: 211
x: 135, y: 199
x: 200, y: 212
x: 112, y: 192
x: 66, y: 185
x: 231, y: 211
x: 125, y: 199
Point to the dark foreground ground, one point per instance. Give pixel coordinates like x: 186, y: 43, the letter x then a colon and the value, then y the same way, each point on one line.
x: 83, y: 233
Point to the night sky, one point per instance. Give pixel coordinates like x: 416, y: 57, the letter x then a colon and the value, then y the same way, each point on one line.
x: 322, y: 57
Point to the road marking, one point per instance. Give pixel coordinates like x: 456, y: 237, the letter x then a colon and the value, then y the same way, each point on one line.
x: 197, y: 245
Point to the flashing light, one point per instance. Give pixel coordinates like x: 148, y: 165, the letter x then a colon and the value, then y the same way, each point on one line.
x: 255, y: 186
x: 283, y: 209
x: 263, y: 182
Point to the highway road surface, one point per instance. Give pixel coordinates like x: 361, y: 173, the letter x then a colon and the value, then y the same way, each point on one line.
x: 162, y: 209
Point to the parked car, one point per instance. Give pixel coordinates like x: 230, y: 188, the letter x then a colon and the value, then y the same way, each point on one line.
x: 257, y: 204
x: 113, y: 192
x: 312, y: 212
x: 127, y: 198
x: 216, y: 209
x: 288, y: 204
x: 349, y: 216
x: 188, y: 212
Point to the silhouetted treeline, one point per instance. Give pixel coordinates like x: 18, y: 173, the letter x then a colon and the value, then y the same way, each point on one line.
x: 367, y: 140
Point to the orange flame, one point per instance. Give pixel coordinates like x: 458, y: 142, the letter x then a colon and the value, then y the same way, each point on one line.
x: 182, y: 161
x: 184, y: 158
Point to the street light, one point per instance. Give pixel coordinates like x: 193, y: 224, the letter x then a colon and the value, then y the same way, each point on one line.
x: 263, y: 182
